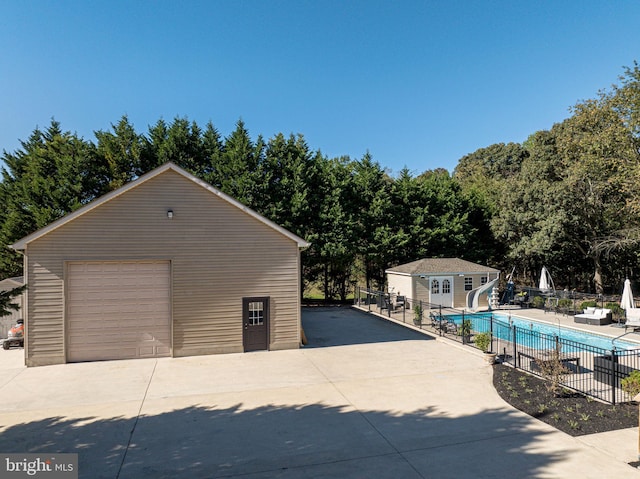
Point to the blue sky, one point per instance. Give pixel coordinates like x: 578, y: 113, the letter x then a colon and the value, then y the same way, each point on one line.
x: 416, y: 83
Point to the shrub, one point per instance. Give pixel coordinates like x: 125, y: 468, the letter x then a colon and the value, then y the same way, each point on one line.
x: 631, y: 384
x: 588, y: 304
x: 616, y: 310
x: 553, y: 371
x: 538, y: 302
x: 465, y: 330
x: 565, y: 303
x: 417, y: 314
x: 483, y: 341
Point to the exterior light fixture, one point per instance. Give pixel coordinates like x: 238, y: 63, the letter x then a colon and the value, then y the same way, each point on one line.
x: 169, y: 214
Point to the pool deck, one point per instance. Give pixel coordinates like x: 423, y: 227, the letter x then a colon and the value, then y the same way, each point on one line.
x: 613, y: 330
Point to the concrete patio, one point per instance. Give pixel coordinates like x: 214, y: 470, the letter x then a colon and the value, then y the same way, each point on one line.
x: 365, y: 398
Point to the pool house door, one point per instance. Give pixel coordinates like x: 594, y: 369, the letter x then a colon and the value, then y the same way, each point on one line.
x: 441, y: 291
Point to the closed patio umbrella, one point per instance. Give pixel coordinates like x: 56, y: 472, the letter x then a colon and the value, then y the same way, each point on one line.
x: 544, y: 285
x: 627, y: 301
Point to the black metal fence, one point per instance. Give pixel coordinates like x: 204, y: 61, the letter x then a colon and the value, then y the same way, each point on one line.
x: 591, y: 370
x: 567, y: 302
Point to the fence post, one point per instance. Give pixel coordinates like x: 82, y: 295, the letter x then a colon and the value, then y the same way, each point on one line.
x: 464, y: 339
x: 491, y: 332
x: 515, y: 347
x: 369, y: 299
x: 404, y: 309
x: 613, y: 376
x: 440, y: 319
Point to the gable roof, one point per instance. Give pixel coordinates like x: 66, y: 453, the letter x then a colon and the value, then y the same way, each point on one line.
x: 441, y: 266
x: 11, y: 283
x: 22, y: 244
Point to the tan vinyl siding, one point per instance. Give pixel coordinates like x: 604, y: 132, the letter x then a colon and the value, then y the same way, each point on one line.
x: 219, y: 254
x: 459, y: 294
x: 422, y: 289
x: 45, y: 335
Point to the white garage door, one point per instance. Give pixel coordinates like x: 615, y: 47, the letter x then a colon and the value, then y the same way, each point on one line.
x: 118, y: 310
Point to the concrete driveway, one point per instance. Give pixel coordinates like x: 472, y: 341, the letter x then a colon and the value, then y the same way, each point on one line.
x: 365, y: 399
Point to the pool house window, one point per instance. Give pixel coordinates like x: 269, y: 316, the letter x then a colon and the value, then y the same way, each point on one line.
x: 468, y: 283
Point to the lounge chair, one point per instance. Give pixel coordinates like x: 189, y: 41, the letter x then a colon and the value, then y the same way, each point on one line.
x: 440, y: 322
x: 633, y: 319
x: 436, y: 319
x: 594, y: 316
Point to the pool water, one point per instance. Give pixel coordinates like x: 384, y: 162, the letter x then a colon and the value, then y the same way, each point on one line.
x: 522, y: 324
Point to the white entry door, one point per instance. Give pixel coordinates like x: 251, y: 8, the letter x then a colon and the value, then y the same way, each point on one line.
x: 441, y: 291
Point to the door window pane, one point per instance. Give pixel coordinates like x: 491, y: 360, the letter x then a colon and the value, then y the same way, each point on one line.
x: 435, y: 287
x: 446, y: 286
x: 256, y: 313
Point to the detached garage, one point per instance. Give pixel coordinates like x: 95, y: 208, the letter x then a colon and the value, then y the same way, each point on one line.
x: 167, y: 265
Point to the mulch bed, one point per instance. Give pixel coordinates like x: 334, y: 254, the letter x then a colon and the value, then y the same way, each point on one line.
x: 569, y: 411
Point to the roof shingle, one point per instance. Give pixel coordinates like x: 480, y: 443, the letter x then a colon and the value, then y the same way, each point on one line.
x: 441, y: 266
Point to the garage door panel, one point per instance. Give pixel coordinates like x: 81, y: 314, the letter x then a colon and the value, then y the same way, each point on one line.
x: 128, y: 292
x: 118, y: 310
x: 108, y: 353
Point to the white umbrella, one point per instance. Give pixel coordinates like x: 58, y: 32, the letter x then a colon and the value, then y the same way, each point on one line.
x: 544, y: 281
x: 627, y: 296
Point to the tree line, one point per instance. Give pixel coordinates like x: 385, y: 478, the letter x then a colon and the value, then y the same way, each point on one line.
x: 566, y: 198
x: 357, y: 218
x: 569, y: 197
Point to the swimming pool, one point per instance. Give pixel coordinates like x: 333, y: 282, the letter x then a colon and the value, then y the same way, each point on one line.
x: 480, y: 323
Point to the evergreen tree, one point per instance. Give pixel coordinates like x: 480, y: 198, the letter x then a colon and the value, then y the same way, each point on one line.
x: 282, y: 182
x: 152, y: 154
x: 236, y: 173
x: 51, y: 175
x: 212, y: 151
x: 332, y: 231
x: 7, y: 306
x: 119, y: 154
x: 183, y: 146
x: 379, y: 230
